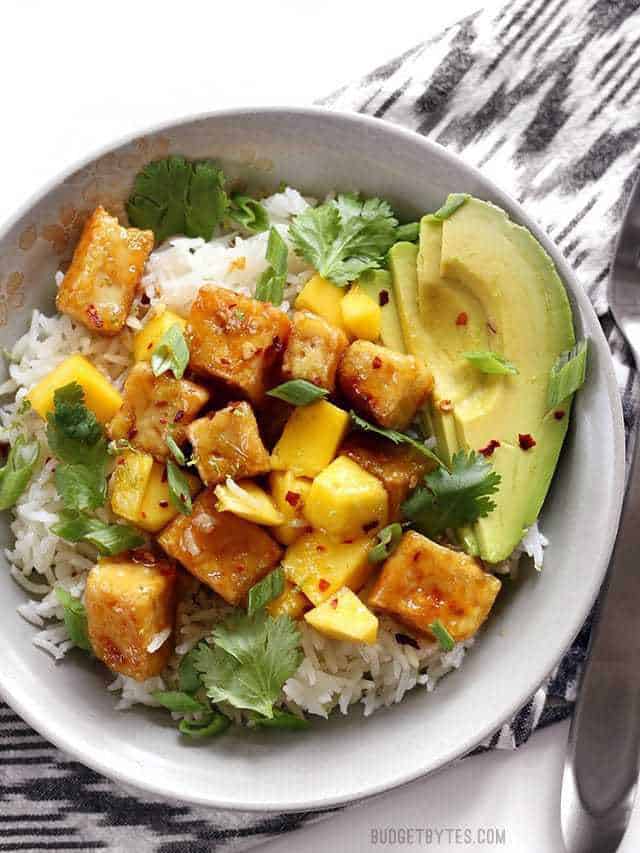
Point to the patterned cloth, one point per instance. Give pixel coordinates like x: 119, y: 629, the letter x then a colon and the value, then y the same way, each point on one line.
x: 543, y: 96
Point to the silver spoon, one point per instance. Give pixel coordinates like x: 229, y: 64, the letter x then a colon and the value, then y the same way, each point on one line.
x: 603, y: 758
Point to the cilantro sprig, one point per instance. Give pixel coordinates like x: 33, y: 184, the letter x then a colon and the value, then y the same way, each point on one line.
x: 455, y: 498
x: 394, y: 436
x: 344, y: 237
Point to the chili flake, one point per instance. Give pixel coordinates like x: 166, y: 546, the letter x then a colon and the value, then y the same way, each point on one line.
x: 558, y: 415
x: 490, y: 447
x: 445, y: 406
x: 383, y: 298
x: 462, y: 319
x: 292, y: 498
x: 163, y: 504
x: 376, y: 363
x: 406, y: 640
x: 323, y: 585
x: 526, y: 441
x: 334, y: 603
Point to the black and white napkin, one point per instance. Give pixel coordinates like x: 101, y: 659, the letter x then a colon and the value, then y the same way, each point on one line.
x: 544, y: 97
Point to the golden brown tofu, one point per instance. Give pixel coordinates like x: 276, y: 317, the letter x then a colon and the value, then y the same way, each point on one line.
x: 105, y: 271
x: 227, y: 444
x: 272, y: 415
x: 398, y: 467
x: 152, y: 406
x: 385, y: 386
x: 314, y: 350
x: 223, y: 551
x: 422, y: 581
x: 131, y: 603
x: 236, y: 340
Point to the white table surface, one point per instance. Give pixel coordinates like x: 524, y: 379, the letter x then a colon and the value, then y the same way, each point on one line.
x: 77, y: 75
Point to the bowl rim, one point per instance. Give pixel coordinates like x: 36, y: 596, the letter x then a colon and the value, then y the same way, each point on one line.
x: 140, y: 783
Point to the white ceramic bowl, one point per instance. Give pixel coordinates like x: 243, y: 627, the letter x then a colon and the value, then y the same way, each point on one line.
x: 535, y: 618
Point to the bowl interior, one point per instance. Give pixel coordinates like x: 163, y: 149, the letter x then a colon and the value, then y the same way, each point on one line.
x: 344, y: 758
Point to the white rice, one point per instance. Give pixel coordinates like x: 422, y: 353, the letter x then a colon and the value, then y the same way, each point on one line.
x: 333, y: 674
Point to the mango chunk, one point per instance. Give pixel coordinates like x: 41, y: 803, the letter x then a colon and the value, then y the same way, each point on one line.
x: 323, y: 298
x: 320, y: 566
x: 129, y: 483
x: 346, y: 501
x: 310, y: 439
x: 344, y: 617
x: 289, y: 493
x: 247, y: 500
x: 291, y: 602
x: 156, y: 509
x: 146, y: 340
x: 361, y: 316
x: 99, y: 394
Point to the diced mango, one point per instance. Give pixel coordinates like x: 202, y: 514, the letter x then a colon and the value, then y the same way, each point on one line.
x: 129, y: 483
x: 291, y: 602
x: 247, y: 500
x: 361, y: 316
x: 346, y: 501
x: 344, y: 617
x: 320, y: 566
x: 147, y: 338
x: 289, y: 493
x: 310, y: 439
x: 156, y: 509
x: 99, y: 394
x: 323, y: 298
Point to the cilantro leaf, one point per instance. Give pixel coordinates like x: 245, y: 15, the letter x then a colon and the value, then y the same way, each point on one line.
x: 171, y: 353
x: 453, y: 498
x: 80, y: 487
x: 281, y: 720
x: 270, y: 286
x: 250, y: 660
x: 179, y: 491
x: 109, y: 539
x: 176, y: 196
x: 344, y: 237
x: 188, y: 675
x: 75, y: 618
x: 18, y: 470
x: 248, y: 213
x: 394, y: 436
x: 265, y: 590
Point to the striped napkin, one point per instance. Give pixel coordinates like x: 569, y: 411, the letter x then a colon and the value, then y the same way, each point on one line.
x: 542, y: 96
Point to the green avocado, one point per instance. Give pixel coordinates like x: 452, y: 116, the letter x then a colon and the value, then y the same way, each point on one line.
x: 483, y: 283
x: 378, y: 285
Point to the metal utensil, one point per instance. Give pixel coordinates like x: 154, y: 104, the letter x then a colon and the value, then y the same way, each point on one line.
x: 603, y: 759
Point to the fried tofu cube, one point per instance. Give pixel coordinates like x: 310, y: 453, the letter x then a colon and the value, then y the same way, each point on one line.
x: 236, y: 340
x: 227, y: 443
x: 130, y: 604
x: 272, y: 415
x: 361, y: 316
x: 154, y: 406
x: 156, y: 509
x: 247, y: 500
x: 146, y: 340
x: 385, y: 386
x: 99, y: 394
x: 321, y: 566
x: 344, y: 617
x: 289, y: 493
x: 314, y: 350
x: 346, y: 501
x: 106, y: 268
x: 310, y: 439
x: 422, y: 581
x: 129, y: 483
x: 398, y: 467
x: 323, y: 298
x: 223, y: 551
x: 291, y: 602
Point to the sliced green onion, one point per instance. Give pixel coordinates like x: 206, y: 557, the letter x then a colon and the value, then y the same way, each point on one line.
x: 282, y: 720
x: 568, y: 373
x: 75, y: 618
x: 211, y: 725
x: 388, y: 540
x: 16, y: 474
x: 171, y: 353
x: 298, y: 392
x: 490, y: 362
x: 442, y: 635
x: 265, y: 590
x: 188, y: 676
x: 177, y: 700
x: 270, y: 286
x: 408, y: 233
x: 179, y: 491
x: 453, y: 202
x: 176, y: 452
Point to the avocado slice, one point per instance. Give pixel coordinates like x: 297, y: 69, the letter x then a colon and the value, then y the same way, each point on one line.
x: 378, y: 285
x: 485, y: 283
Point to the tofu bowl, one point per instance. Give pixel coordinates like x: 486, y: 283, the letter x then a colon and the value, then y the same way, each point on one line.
x: 332, y: 491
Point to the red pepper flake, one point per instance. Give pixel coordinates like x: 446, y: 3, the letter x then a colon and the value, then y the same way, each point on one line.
x: 489, y: 448
x: 376, y: 363
x: 462, y: 319
x: 150, y: 345
x: 558, y: 415
x: 491, y: 327
x: 292, y: 498
x: 416, y: 556
x: 94, y: 317
x: 132, y: 433
x: 369, y: 526
x: 323, y: 585
x: 321, y: 548
x: 526, y: 441
x: 445, y: 406
x: 178, y: 416
x: 143, y: 514
x: 121, y: 461
x: 163, y: 479
x: 334, y: 603
x: 144, y: 299
x: 239, y: 567
x: 163, y: 504
x: 163, y: 421
x: 406, y: 640
x: 383, y: 298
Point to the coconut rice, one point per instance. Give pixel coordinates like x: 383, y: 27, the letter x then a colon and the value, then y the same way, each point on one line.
x: 333, y: 674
